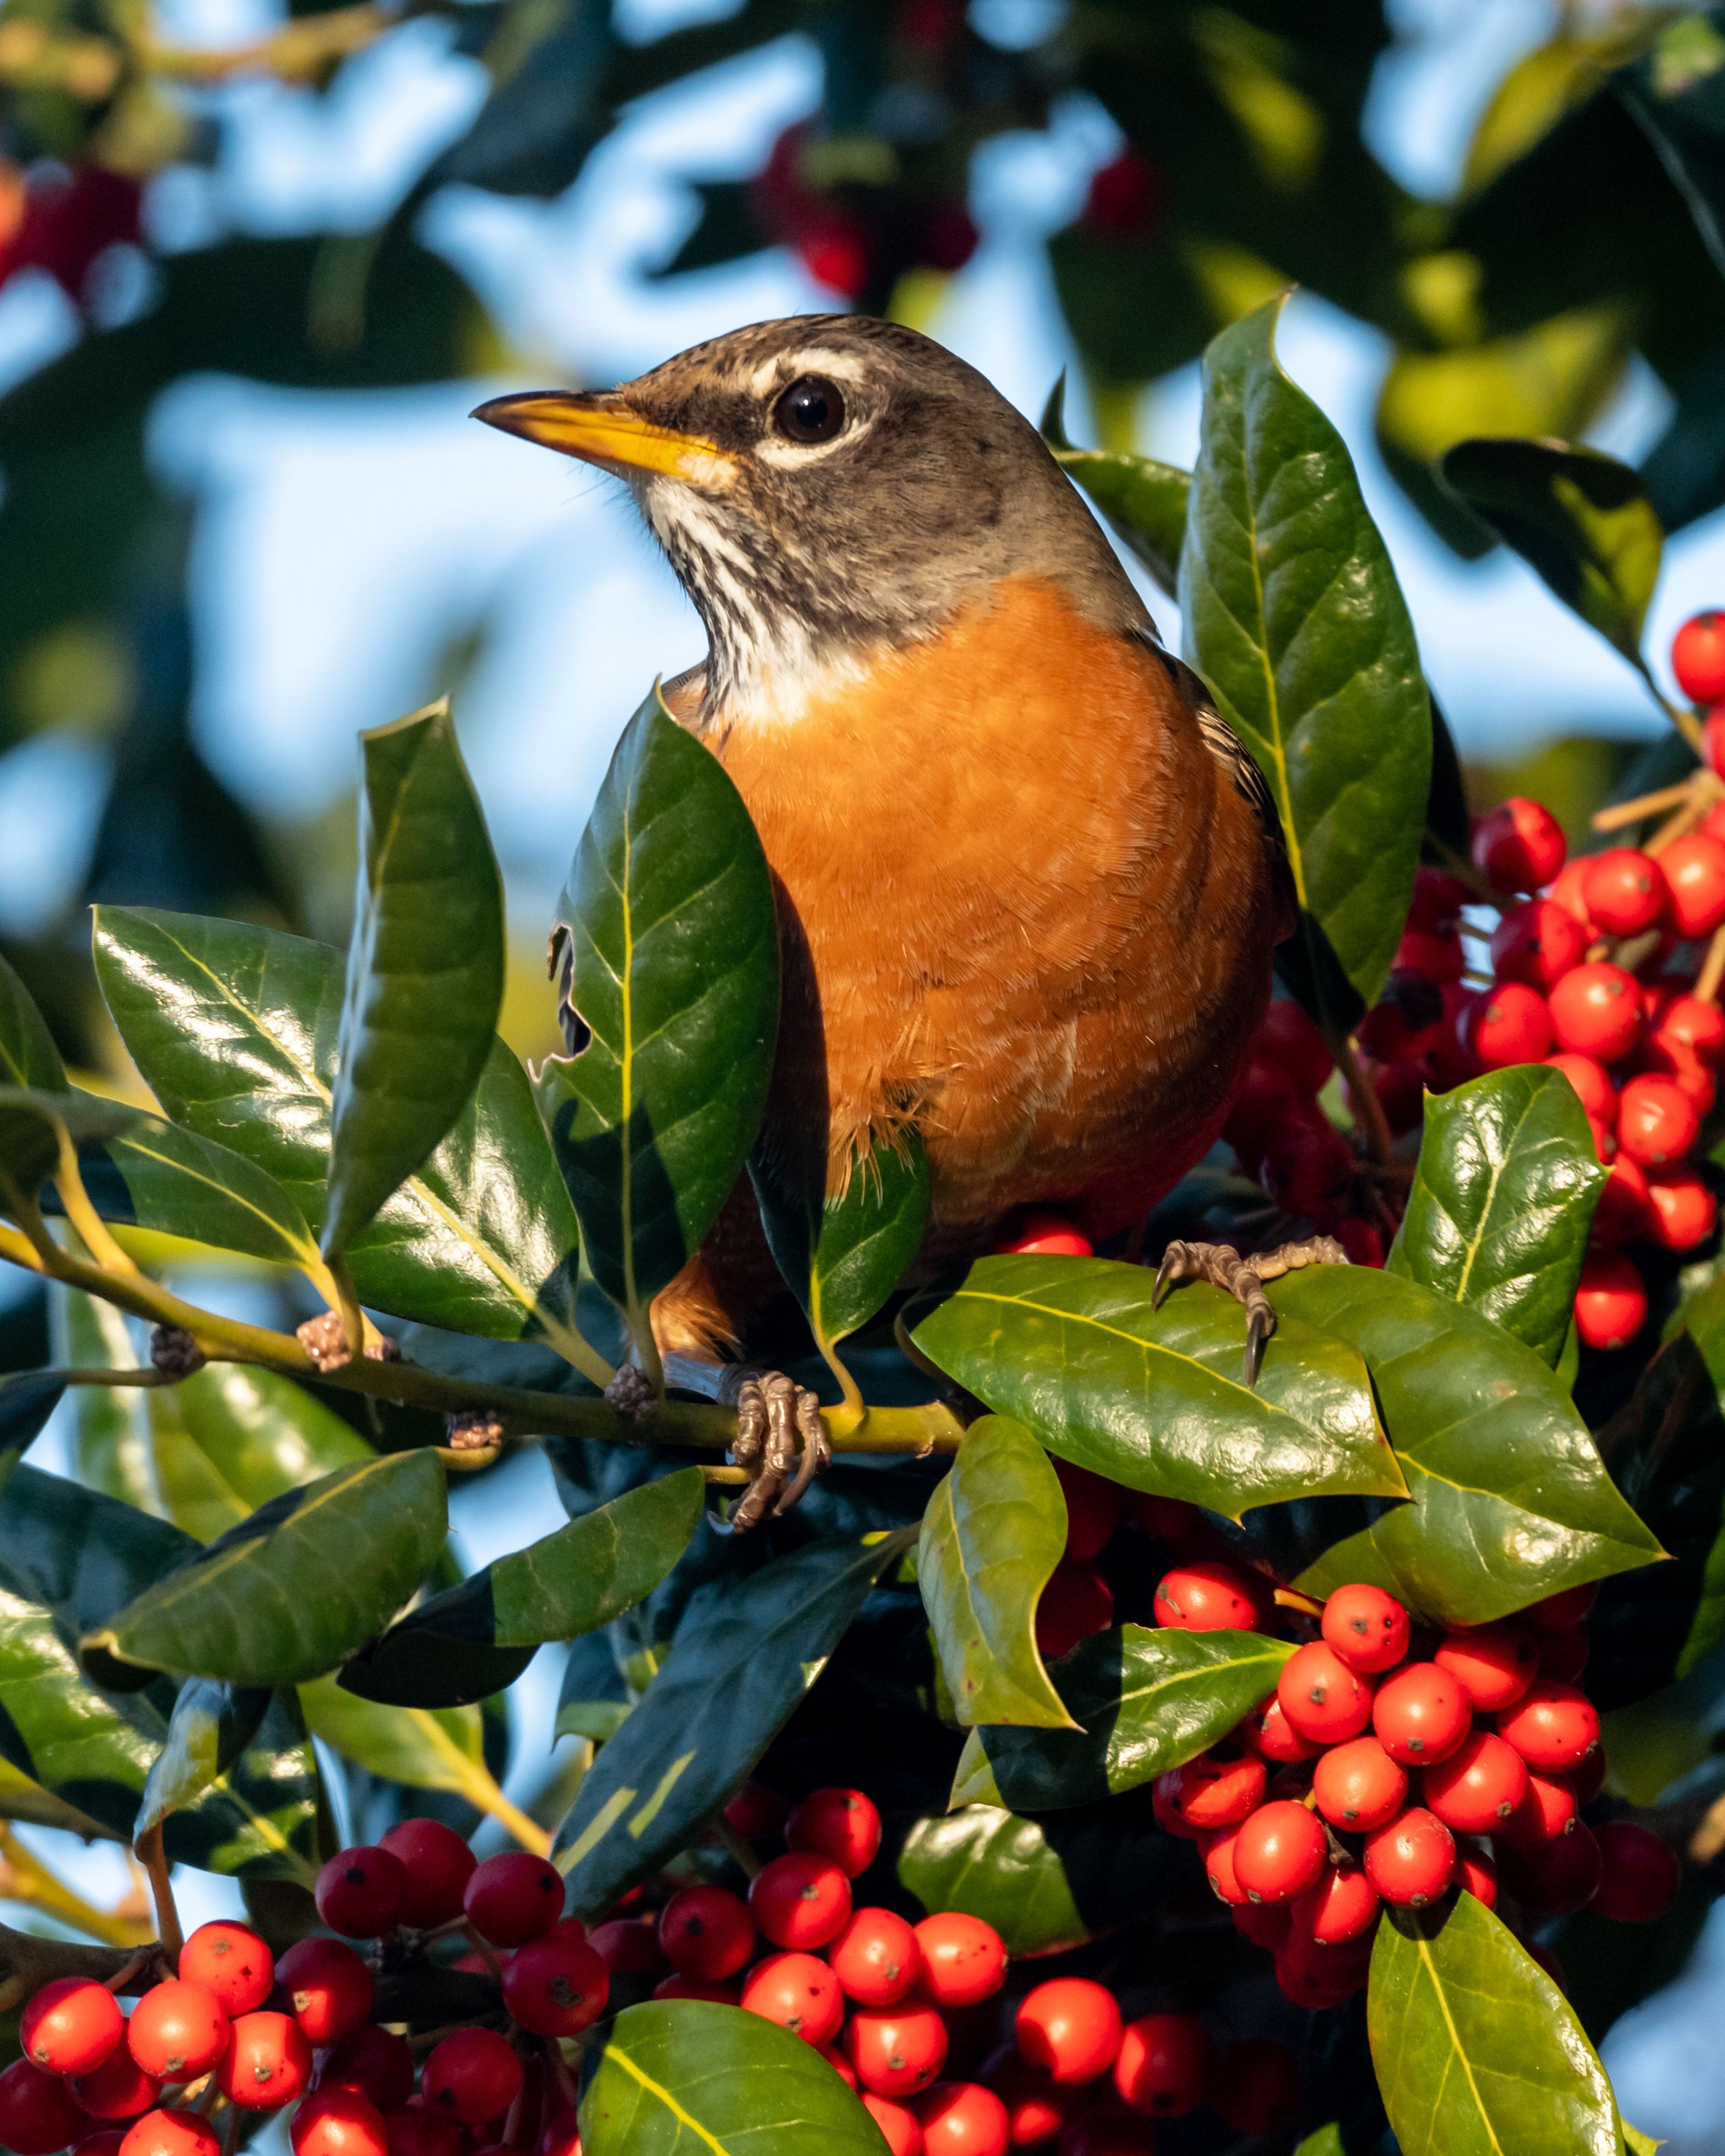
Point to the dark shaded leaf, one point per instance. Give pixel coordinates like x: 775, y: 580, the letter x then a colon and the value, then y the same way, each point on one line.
x: 210, y: 1728
x: 182, y: 1184
x: 1157, y: 1399
x: 1143, y: 501
x: 1502, y: 1202
x: 424, y: 969
x: 1677, y: 92
x: 993, y: 1532
x: 28, y: 1054
x: 31, y: 1122
x: 1143, y: 1701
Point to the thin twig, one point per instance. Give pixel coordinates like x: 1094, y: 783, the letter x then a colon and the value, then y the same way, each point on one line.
x: 1713, y: 969
x: 1623, y: 812
x: 154, y: 1859
x: 1365, y: 1095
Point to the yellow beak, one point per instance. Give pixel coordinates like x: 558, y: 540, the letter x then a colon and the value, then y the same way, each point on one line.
x: 601, y: 429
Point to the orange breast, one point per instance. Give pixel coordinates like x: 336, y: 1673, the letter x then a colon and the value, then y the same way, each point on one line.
x: 1022, y: 905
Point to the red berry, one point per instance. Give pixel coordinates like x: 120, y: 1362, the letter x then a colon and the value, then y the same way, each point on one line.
x: 1625, y: 891
x: 118, y: 2088
x: 1258, y: 2085
x: 1694, y: 869
x: 1546, y: 1808
x: 1035, y: 2109
x: 1267, y: 1732
x: 1264, y: 1102
x: 267, y: 2063
x: 1687, y: 1023
x: 876, y: 1959
x: 556, y: 1986
x: 1519, y: 846
x: 1322, y: 1697
x: 1279, y: 1852
x: 1358, y: 1786
x: 1309, y: 1172
x: 1218, y: 1868
x: 1478, y: 1787
x: 1713, y: 750
x: 1361, y: 1241
x: 1077, y: 1602
x: 1566, y: 892
x: 1537, y: 942
x: 417, y: 2130
x: 694, y: 1987
x: 1592, y: 1082
x: 1682, y: 1211
x: 963, y: 1958
x: 706, y: 1933
x: 513, y: 1897
x: 800, y: 1993
x: 1421, y: 1714
x: 1209, y: 1596
x: 1312, y: 1988
x: 896, y: 2051
x: 70, y: 2025
x: 1411, y: 1861
x: 37, y: 2113
x: 1266, y: 1924
x: 1624, y: 1209
x: 1509, y: 1024
x: 560, y: 2135
x: 361, y: 1892
x: 1107, y: 2133
x: 1286, y: 1036
x: 328, y: 1986
x: 1365, y: 1627
x: 755, y: 1812
x: 800, y: 1902
x: 1555, y: 1877
x: 1698, y: 657
x: 1437, y: 902
x: 1039, y: 1234
x: 1094, y: 1505
x: 179, y: 2031
x: 439, y: 1865
x: 1557, y: 1612
x: 1165, y: 2064
x: 337, y: 2123
x: 1342, y: 1906
x: 1475, y: 1874
x: 374, y: 2063
x: 1596, y: 1010
x: 1436, y: 959
x: 162, y: 2133
x: 1657, y: 1121
x: 1639, y: 1874
x: 1552, y: 1726
x: 899, y: 2128
x: 1071, y: 2028
x: 1208, y: 1792
x: 960, y: 2118
x: 473, y: 2074
x: 1610, y: 1300
x: 1493, y: 1664
x: 1125, y: 197
x: 627, y: 1946
x: 233, y: 1962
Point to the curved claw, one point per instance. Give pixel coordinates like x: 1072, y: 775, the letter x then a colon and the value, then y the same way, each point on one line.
x: 779, y: 1436
x: 1260, y: 1323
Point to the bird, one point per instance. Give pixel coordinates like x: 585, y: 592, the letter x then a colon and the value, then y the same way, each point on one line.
x: 1029, y: 883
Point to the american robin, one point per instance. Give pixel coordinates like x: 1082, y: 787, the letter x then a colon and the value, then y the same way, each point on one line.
x: 1029, y: 883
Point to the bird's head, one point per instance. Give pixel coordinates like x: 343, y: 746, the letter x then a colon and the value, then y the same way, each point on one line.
x: 825, y: 485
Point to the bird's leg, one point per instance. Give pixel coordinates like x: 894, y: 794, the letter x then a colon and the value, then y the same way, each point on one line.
x: 1244, y: 1279
x: 781, y: 1441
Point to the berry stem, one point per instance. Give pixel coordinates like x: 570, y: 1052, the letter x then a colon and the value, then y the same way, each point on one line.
x: 1621, y: 813
x: 1364, y: 1094
x: 1706, y: 985
x: 151, y: 1855
x: 736, y: 1848
x: 1290, y: 1598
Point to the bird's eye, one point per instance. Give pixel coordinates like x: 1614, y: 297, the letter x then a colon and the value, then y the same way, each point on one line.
x: 811, y: 410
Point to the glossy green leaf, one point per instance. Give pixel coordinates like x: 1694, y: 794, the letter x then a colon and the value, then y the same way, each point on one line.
x: 231, y: 1438
x: 28, y: 1054
x: 746, y: 1652
x: 234, y: 1028
x: 1144, y: 501
x: 293, y: 1590
x: 210, y: 1728
x: 1326, y: 2142
x: 424, y: 969
x: 1477, y: 2052
x: 475, y: 1639
x: 685, y: 2077
x: 844, y: 1263
x: 671, y: 947
x: 1502, y: 1199
x: 28, y: 1398
x: 1157, y: 1399
x: 422, y: 1748
x: 993, y: 1532
x: 109, y: 1425
x: 1510, y: 1500
x: 182, y: 1184
x: 1142, y: 1701
x: 1291, y: 612
x: 1580, y: 519
x: 30, y: 1124
x: 82, y: 1555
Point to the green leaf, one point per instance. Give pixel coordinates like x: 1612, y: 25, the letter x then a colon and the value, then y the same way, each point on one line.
x: 1143, y: 501
x: 1677, y: 90
x: 476, y: 1638
x: 746, y: 1652
x: 424, y: 969
x: 231, y: 1438
x: 682, y: 2078
x: 293, y: 1590
x: 1579, y: 518
x: 844, y: 1261
x: 1143, y: 1702
x: 28, y: 1054
x: 1326, y: 2142
x: 81, y: 1554
x: 1156, y: 1399
x: 211, y: 1726
x: 669, y: 932
x: 1476, y: 2050
x: 108, y: 1436
x: 233, y: 1029
x: 1502, y: 1199
x: 31, y: 1122
x: 422, y: 1748
x: 182, y: 1184
x: 993, y: 1532
x: 28, y: 1398
x: 1510, y: 1500
x: 1292, y: 614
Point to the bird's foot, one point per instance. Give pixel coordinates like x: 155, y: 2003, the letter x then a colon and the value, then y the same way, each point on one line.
x: 1244, y: 1279
x: 781, y: 1441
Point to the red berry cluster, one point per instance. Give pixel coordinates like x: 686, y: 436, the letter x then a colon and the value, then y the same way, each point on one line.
x: 1381, y: 1765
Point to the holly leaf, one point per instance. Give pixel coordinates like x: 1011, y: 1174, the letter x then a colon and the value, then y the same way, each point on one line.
x: 1144, y: 501
x: 424, y: 969
x: 107, y: 1435
x: 1502, y: 1198
x: 290, y: 1592
x: 209, y: 1730
x: 993, y: 1532
x: 1510, y: 1502
x: 1157, y: 1399
x: 231, y: 1438
x: 179, y: 1183
x: 32, y: 1124
x: 1476, y: 2050
x: 746, y: 1652
x: 1292, y: 614
x: 28, y: 1398
x: 1142, y: 1701
x: 1579, y: 519
x: 476, y: 1638
x: 420, y: 1747
x: 27, y: 1055
x: 1677, y: 91
x: 670, y: 950
x: 676, y: 2075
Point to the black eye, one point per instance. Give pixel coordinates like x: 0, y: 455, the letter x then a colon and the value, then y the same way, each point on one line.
x: 811, y: 410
